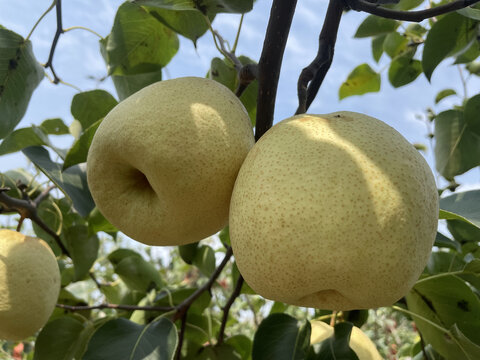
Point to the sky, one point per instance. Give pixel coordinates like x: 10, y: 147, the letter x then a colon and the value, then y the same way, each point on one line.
x: 78, y: 61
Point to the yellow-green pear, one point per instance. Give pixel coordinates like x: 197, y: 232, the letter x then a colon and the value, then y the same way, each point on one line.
x: 335, y: 211
x: 162, y: 164
x: 29, y: 284
x: 359, y: 342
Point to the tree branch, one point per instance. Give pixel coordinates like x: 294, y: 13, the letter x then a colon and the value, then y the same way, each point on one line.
x: 114, y: 306
x: 184, y: 306
x: 181, y: 336
x: 58, y: 32
x: 27, y: 208
x: 270, y: 63
x: 414, y: 16
x: 312, y: 76
x: 226, y: 309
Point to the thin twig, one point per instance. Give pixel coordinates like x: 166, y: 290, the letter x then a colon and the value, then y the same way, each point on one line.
x: 414, y: 16
x: 226, y: 308
x: 40, y: 19
x: 58, y: 32
x: 114, y: 306
x: 270, y: 63
x: 183, y: 307
x: 312, y: 76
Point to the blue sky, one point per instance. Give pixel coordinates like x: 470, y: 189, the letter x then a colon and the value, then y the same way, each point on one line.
x: 77, y: 61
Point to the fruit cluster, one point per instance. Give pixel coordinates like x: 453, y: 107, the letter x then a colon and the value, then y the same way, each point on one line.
x: 321, y: 208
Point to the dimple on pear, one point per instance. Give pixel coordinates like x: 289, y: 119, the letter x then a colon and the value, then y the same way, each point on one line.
x: 333, y: 211
x: 162, y: 164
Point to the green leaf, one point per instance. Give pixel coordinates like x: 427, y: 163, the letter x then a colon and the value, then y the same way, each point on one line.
x: 463, y: 231
x: 223, y: 72
x: 79, y: 150
x: 22, y: 138
x: 448, y: 36
x: 138, y: 42
x: 127, y: 85
x: 20, y: 74
x: 138, y: 274
x: 470, y: 12
x: 123, y: 339
x: 67, y: 298
x: 218, y: 352
x: 403, y: 70
x: 443, y: 94
x: 53, y: 219
x: 457, y: 148
x: 469, y: 55
x: 209, y: 7
x: 407, y: 4
x: 363, y: 79
x: 11, y: 178
x: 177, y: 296
x: 471, y: 114
x: 191, y: 24
x: 188, y: 251
x: 90, y: 106
x: 356, y: 317
x: 168, y: 4
x: 445, y: 242
x: 374, y: 25
x: 54, y: 127
x: 470, y: 348
x: 63, y: 339
x: 242, y: 344
x: 118, y: 255
x: 465, y: 205
x: 73, y: 181
x: 444, y: 262
x: 83, y: 248
x: 97, y: 222
x: 205, y: 260
x: 281, y: 336
x: 337, y: 346
x: 394, y: 44
x: 442, y: 302
x: 377, y: 46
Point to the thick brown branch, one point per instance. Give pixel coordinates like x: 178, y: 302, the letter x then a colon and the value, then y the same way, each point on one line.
x: 312, y: 76
x: 226, y: 309
x: 414, y: 16
x: 270, y: 63
x: 58, y: 32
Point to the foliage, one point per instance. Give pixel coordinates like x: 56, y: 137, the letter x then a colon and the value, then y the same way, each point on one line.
x: 121, y: 301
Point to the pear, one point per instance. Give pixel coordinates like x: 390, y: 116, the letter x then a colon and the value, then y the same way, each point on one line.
x: 162, y: 164
x: 29, y: 284
x: 335, y: 211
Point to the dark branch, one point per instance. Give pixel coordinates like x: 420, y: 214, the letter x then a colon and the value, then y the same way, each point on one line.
x: 27, y: 209
x: 59, y: 31
x: 185, y: 305
x: 246, y: 75
x: 226, y: 309
x: 312, y: 76
x: 181, y: 336
x: 113, y: 306
x: 415, y: 16
x: 270, y: 63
